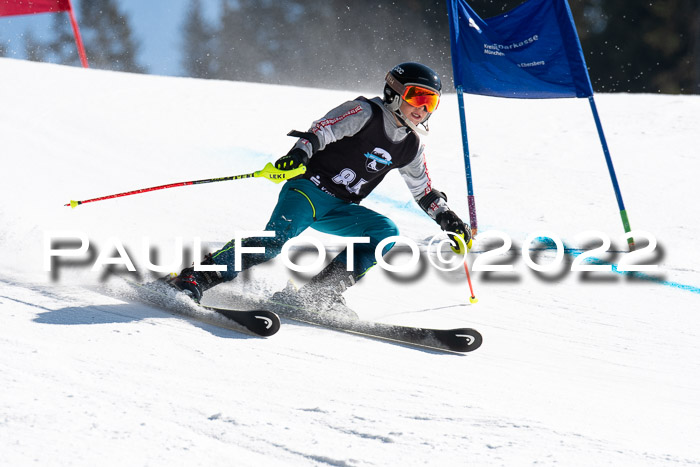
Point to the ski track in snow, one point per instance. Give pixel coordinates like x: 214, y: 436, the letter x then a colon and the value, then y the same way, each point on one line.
x: 595, y: 369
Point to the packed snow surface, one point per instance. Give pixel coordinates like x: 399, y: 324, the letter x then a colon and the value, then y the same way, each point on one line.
x: 577, y: 368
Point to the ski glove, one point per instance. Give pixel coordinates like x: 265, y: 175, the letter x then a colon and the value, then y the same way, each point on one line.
x: 292, y: 160
x: 452, y: 224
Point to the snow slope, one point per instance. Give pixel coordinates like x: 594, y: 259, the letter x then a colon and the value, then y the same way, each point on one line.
x: 576, y: 368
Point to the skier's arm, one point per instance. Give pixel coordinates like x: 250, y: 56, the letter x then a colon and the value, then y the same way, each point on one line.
x: 345, y: 120
x: 415, y: 174
x: 432, y: 201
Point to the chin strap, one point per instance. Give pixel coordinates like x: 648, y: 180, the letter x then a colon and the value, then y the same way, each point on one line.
x: 395, y: 107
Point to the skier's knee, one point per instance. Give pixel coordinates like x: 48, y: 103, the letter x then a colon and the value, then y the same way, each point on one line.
x: 385, y: 229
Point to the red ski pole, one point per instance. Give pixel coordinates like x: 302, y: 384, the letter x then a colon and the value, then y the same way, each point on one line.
x: 269, y: 172
x: 462, y: 248
x: 473, y: 298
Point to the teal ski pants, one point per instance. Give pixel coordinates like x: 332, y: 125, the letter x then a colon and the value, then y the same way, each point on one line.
x: 301, y: 205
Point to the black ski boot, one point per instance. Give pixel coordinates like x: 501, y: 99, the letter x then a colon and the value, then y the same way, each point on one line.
x: 194, y: 283
x: 323, y: 293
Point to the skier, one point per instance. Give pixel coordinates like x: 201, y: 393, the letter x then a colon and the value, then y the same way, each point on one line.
x: 347, y: 153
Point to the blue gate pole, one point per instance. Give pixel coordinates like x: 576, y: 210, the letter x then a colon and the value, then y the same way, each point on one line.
x: 467, y: 162
x: 611, y: 169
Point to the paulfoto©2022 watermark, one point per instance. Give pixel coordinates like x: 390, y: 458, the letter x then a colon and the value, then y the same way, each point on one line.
x: 74, y: 245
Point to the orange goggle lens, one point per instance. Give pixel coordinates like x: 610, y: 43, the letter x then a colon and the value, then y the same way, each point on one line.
x: 419, y: 97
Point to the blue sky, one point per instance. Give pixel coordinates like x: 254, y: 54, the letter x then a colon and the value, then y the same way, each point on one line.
x: 156, y: 25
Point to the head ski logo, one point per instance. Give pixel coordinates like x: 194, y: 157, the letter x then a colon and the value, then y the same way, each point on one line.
x: 470, y: 339
x: 377, y: 160
x: 266, y: 320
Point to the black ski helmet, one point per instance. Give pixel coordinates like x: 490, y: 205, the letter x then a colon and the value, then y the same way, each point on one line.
x: 405, y: 74
x: 412, y: 73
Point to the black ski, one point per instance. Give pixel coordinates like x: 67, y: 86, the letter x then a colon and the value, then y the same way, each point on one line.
x: 262, y: 319
x: 451, y: 340
x: 259, y: 322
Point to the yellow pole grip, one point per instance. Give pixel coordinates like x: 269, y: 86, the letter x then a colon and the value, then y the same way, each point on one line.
x: 276, y: 175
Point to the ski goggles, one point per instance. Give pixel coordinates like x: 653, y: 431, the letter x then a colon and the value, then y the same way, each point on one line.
x: 415, y: 95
